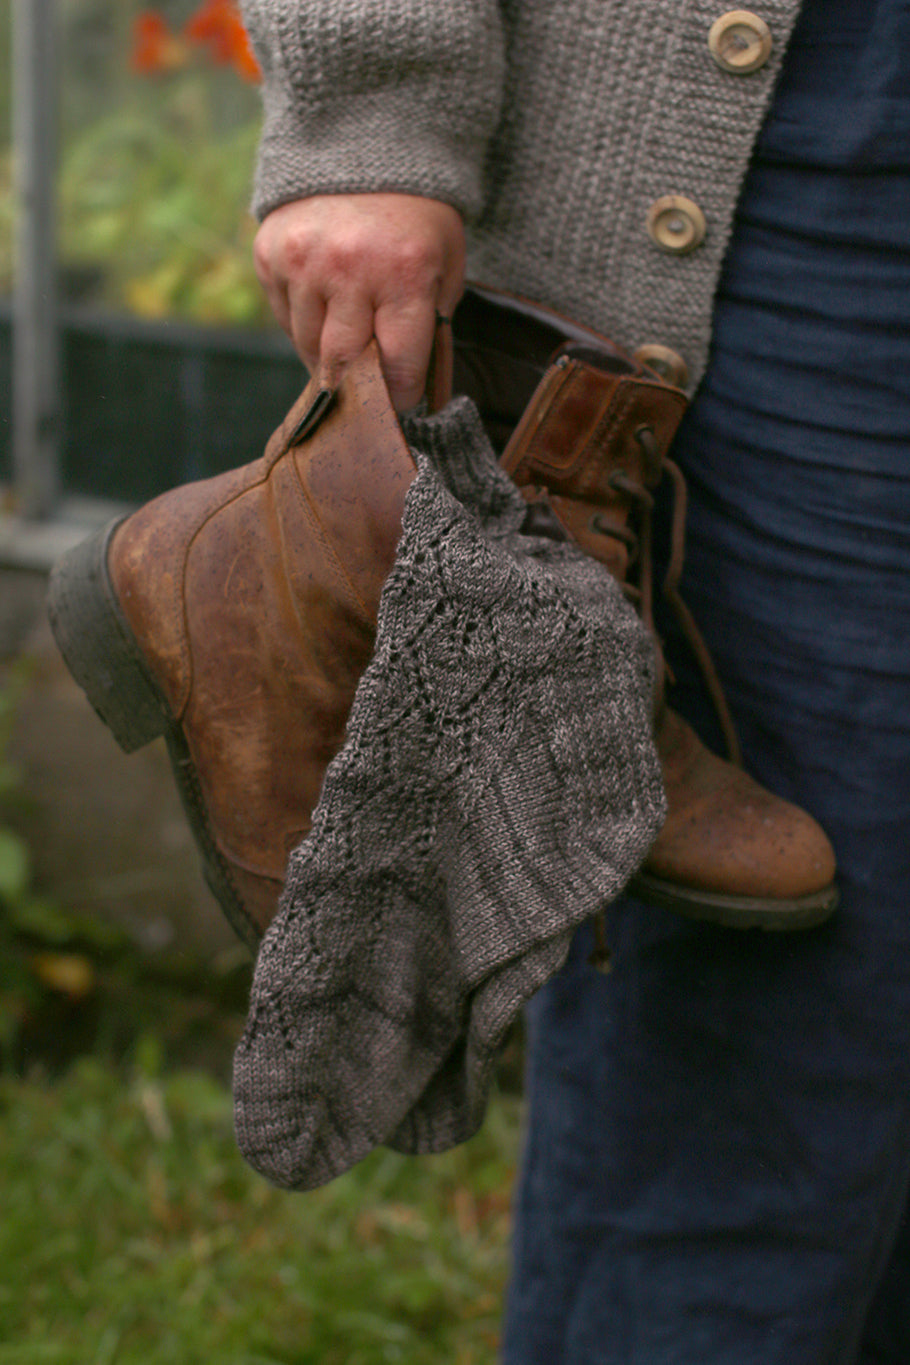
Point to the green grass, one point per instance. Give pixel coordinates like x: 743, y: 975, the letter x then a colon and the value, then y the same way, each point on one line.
x: 132, y: 1231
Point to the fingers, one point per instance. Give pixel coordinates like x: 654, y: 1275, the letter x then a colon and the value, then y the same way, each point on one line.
x: 281, y: 260
x: 405, y: 336
x: 339, y: 270
x: 347, y: 329
x: 332, y: 333
x: 306, y: 313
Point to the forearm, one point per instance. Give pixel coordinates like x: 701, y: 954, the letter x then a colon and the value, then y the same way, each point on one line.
x: 367, y: 96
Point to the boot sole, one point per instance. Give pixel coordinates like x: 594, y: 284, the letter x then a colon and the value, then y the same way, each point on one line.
x: 738, y: 912
x: 104, y: 657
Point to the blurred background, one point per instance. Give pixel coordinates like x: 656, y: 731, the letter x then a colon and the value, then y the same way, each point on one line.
x: 136, y: 353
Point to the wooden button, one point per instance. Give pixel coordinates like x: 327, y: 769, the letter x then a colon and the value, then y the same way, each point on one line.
x: 676, y: 224
x: 740, y: 42
x: 666, y: 363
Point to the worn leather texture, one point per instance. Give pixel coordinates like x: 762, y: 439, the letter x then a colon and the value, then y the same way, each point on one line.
x: 726, y: 834
x: 590, y: 444
x: 253, y: 597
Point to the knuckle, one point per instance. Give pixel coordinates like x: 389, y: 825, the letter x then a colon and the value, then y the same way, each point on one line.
x: 297, y: 251
x: 342, y: 256
x: 406, y: 378
x: 406, y: 374
x: 415, y: 263
x: 282, y: 253
x: 343, y: 342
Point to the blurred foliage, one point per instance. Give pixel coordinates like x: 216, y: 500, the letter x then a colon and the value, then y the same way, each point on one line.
x: 155, y: 168
x: 73, y: 984
x: 133, y: 1234
x: 150, y: 220
x: 132, y: 1231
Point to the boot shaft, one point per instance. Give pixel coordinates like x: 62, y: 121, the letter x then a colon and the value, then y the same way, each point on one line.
x: 253, y: 597
x: 587, y: 434
x: 319, y: 514
x: 582, y: 426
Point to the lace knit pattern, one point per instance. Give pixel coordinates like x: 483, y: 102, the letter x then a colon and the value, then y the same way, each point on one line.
x: 497, y: 786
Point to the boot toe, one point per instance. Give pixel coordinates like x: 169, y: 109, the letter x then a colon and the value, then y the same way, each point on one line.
x: 730, y: 851
x: 778, y: 853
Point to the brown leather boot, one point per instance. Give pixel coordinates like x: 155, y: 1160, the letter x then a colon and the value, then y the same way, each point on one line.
x: 236, y: 616
x: 588, y: 448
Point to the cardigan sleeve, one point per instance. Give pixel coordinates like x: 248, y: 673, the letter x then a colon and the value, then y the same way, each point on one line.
x: 376, y: 95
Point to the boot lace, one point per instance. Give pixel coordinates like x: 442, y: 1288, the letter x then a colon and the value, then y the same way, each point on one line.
x: 639, y: 546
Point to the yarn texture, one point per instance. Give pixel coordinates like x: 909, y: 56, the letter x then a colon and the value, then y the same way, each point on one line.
x: 552, y: 127
x: 497, y: 786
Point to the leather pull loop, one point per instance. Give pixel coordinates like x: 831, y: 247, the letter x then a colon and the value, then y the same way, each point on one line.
x: 440, y: 371
x: 439, y: 385
x: 312, y: 417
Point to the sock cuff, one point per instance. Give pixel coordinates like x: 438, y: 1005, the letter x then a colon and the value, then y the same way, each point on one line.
x: 454, y: 442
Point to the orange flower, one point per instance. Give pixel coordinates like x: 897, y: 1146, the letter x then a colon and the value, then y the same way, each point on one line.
x: 155, y: 47
x: 217, y: 25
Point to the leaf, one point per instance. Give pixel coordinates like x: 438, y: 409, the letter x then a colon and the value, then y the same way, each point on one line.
x: 68, y: 974
x: 14, y: 865
x: 41, y: 919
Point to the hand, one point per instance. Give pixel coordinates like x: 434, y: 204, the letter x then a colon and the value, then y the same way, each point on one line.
x: 341, y: 269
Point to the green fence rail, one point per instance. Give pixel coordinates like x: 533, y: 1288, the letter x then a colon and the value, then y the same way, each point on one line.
x: 149, y: 405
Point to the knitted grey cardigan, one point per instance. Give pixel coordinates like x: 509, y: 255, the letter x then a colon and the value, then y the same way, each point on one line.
x: 552, y: 125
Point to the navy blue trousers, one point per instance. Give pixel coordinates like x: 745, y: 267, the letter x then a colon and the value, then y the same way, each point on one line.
x: 718, y: 1153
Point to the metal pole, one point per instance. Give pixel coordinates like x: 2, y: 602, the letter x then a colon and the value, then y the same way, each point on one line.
x: 36, y: 386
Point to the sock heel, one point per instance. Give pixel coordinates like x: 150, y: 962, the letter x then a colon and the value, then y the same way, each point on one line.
x: 99, y: 648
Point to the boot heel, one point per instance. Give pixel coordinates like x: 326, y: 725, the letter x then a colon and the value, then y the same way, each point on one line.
x: 99, y: 648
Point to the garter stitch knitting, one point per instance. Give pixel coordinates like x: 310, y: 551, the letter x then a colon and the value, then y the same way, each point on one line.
x: 497, y: 786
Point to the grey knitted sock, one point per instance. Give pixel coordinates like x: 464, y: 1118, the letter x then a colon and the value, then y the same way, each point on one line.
x: 497, y: 786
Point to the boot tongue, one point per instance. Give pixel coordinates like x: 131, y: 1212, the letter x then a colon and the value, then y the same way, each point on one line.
x: 584, y: 423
